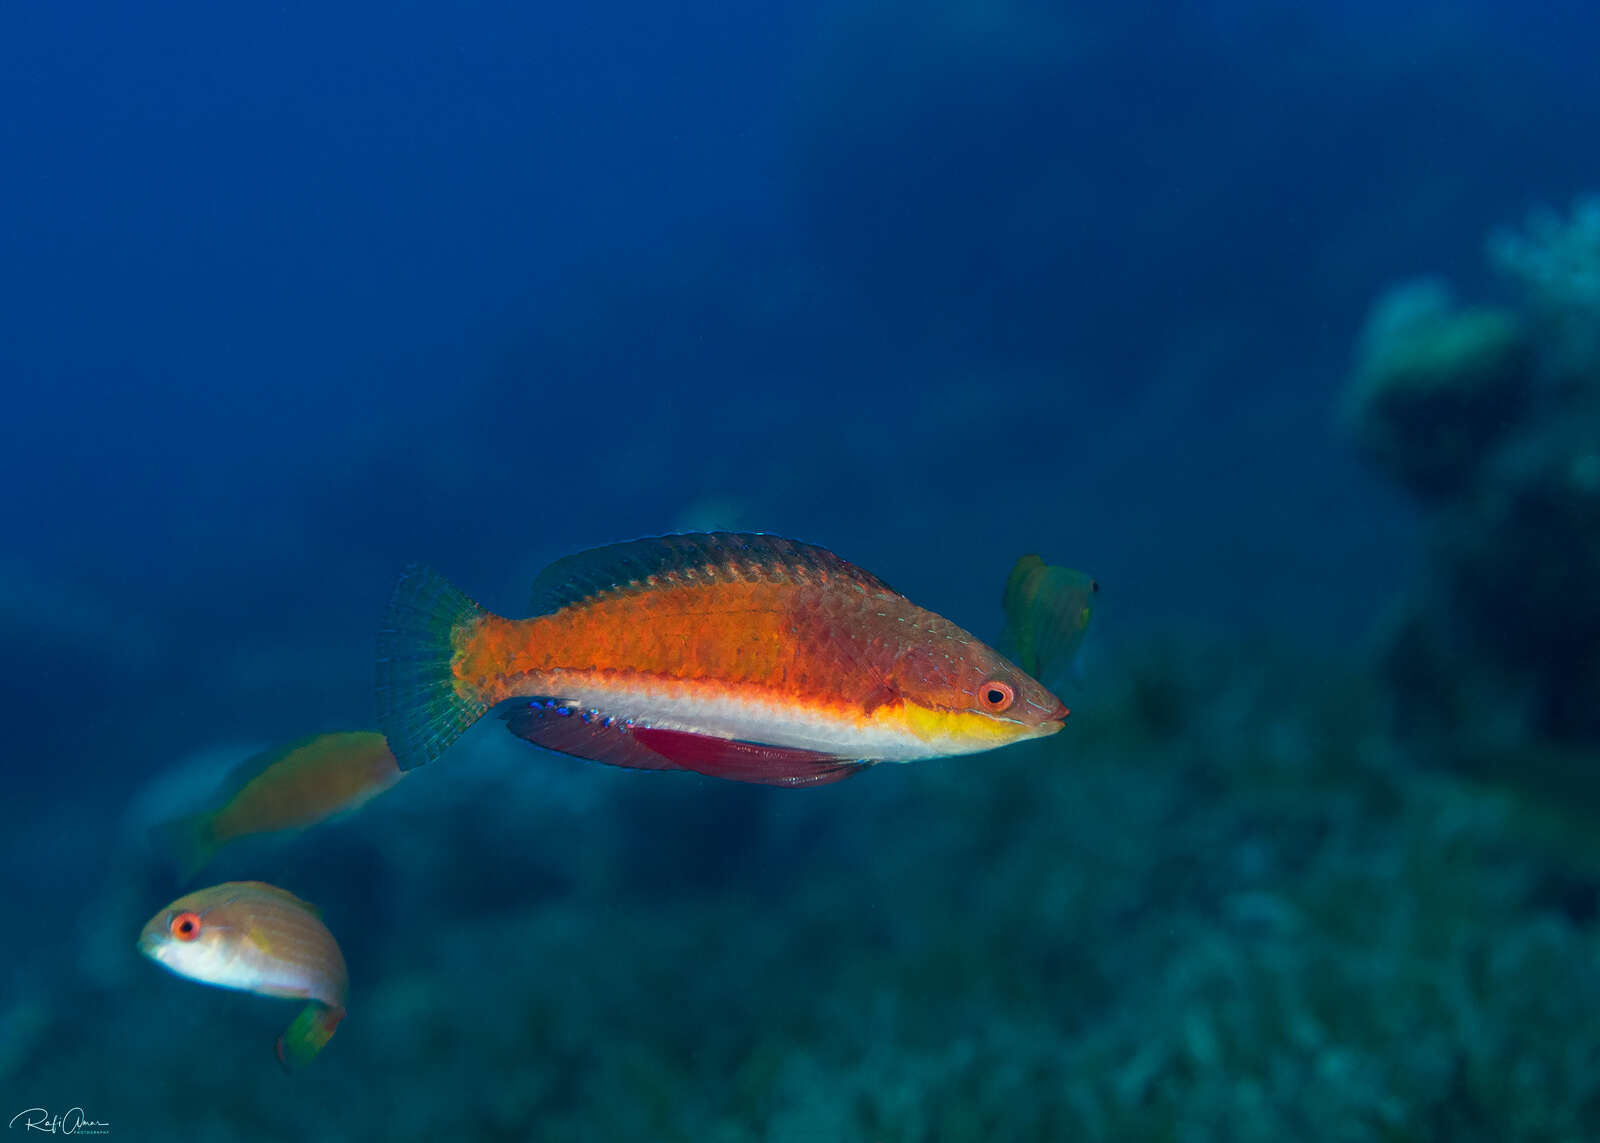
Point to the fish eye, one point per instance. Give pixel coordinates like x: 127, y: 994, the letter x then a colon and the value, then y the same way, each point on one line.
x: 996, y: 696
x: 185, y: 926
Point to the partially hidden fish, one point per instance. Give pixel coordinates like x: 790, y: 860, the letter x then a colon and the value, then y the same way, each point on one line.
x: 255, y: 937
x: 738, y: 655
x: 1047, y: 613
x: 292, y: 787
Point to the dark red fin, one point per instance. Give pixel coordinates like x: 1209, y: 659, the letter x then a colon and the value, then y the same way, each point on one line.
x: 746, y: 761
x: 568, y: 729
x: 582, y: 733
x: 692, y: 558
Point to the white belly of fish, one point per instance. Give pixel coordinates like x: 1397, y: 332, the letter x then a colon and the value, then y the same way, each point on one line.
x: 699, y: 709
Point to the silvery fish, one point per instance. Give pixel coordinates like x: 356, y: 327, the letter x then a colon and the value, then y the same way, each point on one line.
x: 255, y: 937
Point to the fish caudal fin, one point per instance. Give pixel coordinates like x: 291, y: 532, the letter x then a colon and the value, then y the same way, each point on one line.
x: 1047, y: 614
x: 419, y: 709
x: 307, y: 1034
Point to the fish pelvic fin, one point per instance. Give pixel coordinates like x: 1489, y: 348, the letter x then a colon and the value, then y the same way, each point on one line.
x: 420, y: 710
x: 306, y: 1035
x: 192, y: 841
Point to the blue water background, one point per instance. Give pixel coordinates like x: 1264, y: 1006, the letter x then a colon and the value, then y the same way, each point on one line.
x: 291, y: 295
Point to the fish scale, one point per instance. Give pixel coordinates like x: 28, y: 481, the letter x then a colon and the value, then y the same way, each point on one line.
x: 256, y: 937
x: 732, y: 652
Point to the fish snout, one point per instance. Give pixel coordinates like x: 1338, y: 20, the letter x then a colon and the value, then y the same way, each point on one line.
x: 1052, y: 718
x: 1046, y: 709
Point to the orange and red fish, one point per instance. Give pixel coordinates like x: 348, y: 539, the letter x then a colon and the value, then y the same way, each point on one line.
x: 742, y: 656
x: 292, y: 787
x: 255, y: 937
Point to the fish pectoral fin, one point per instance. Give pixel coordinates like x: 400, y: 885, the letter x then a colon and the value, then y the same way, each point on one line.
x: 307, y: 1034
x: 746, y: 761
x: 883, y: 694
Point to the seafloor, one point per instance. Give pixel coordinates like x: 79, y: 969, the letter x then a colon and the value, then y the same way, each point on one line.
x: 1224, y: 905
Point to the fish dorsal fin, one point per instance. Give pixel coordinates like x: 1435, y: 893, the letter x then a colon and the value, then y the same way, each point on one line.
x: 241, y: 775
x: 693, y: 558
x: 251, y: 768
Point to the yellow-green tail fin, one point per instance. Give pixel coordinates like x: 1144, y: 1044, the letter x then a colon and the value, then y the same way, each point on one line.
x: 307, y: 1034
x: 1047, y: 614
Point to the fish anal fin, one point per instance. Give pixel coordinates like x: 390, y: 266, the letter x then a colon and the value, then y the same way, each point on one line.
x: 746, y: 761
x: 568, y: 729
x: 583, y: 734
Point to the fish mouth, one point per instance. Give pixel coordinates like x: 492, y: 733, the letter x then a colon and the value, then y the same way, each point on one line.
x: 1054, y: 721
x: 1050, y: 719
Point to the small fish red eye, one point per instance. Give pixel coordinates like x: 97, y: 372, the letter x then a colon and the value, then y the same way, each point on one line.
x: 996, y: 696
x: 185, y: 926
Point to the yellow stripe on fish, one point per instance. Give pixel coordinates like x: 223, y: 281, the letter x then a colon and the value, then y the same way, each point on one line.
x: 738, y: 655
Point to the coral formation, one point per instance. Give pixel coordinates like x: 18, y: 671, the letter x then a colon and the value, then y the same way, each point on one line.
x: 1436, y: 387
x: 1493, y: 420
x: 1241, y: 920
x: 1524, y: 560
x: 1555, y: 262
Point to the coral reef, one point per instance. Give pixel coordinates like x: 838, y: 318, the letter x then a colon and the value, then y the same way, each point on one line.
x: 1555, y: 262
x: 1524, y: 559
x: 1436, y: 387
x: 1492, y: 419
x: 1220, y: 908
